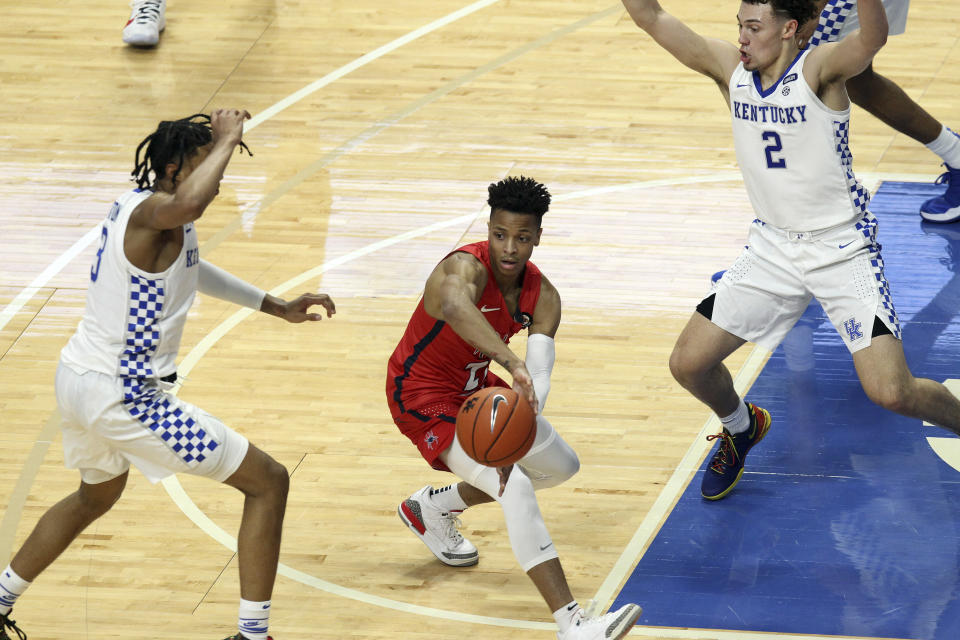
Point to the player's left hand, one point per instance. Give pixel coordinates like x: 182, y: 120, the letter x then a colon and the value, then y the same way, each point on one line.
x: 298, y: 310
x: 504, y: 473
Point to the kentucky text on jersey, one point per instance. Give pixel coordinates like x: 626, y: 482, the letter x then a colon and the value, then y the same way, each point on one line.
x: 769, y: 113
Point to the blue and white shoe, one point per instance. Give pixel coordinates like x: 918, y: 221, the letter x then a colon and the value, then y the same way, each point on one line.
x: 944, y: 208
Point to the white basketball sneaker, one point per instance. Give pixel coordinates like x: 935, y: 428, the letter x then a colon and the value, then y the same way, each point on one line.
x: 437, y: 529
x: 147, y: 19
x: 610, y: 626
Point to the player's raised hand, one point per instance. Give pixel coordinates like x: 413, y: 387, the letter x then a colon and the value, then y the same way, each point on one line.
x: 227, y: 124
x: 523, y: 385
x: 298, y: 310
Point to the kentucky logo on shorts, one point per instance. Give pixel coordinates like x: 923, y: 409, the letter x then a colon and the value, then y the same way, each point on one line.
x: 852, y: 327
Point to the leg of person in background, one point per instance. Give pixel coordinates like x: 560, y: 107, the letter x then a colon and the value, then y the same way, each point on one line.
x: 890, y: 104
x: 147, y: 19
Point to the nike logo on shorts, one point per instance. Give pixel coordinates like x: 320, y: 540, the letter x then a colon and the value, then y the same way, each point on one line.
x: 844, y: 246
x: 486, y: 309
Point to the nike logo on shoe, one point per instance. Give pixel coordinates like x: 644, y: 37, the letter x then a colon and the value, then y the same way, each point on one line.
x: 486, y: 309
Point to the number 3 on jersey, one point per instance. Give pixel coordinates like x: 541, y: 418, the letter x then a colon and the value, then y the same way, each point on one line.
x: 95, y: 269
x: 774, y: 147
x: 478, y: 373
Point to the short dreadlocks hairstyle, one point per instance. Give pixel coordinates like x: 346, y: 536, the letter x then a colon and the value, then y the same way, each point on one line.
x: 799, y: 10
x: 173, y: 141
x: 519, y: 195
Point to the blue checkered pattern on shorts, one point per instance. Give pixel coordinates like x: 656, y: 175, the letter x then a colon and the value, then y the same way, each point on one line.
x: 179, y: 431
x: 859, y: 196
x: 144, y: 402
x: 831, y: 21
x: 867, y: 225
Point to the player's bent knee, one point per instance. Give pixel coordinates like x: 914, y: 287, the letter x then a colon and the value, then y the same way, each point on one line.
x: 892, y: 397
x: 96, y: 500
x: 278, y: 478
x: 570, y: 467
x: 682, y: 367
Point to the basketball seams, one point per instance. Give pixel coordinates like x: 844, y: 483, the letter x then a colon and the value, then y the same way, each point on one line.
x: 479, y: 407
x: 501, y: 428
x: 473, y: 427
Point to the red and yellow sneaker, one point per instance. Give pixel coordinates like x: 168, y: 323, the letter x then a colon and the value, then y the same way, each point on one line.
x: 726, y: 465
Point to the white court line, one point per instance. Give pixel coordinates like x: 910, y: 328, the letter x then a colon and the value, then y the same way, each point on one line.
x: 675, y: 486
x: 48, y: 274
x: 671, y: 491
x: 90, y: 236
x: 379, y: 52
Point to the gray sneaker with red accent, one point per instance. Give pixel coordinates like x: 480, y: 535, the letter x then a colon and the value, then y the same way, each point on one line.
x: 439, y: 530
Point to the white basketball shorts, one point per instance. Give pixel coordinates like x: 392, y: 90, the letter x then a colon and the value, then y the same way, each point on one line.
x: 839, y: 18
x: 896, y: 18
x: 770, y: 285
x: 106, y: 428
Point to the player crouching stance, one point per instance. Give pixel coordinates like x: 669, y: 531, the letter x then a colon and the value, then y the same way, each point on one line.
x: 115, y: 375
x: 475, y: 300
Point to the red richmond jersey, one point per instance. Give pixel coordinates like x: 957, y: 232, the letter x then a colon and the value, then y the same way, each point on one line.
x: 432, y: 363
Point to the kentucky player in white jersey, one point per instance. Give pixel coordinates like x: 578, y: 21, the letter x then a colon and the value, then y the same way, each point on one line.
x: 115, y: 375
x: 813, y: 236
x: 889, y: 103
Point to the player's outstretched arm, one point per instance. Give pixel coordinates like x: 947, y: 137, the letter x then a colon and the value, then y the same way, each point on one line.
x: 713, y: 58
x: 834, y: 63
x: 192, y: 196
x: 298, y: 309
x: 451, y: 294
x: 214, y: 281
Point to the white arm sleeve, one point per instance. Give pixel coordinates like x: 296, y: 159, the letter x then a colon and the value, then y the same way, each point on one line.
x: 214, y: 281
x: 540, y: 358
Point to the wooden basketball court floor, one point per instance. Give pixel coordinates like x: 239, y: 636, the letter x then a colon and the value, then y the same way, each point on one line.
x: 377, y: 129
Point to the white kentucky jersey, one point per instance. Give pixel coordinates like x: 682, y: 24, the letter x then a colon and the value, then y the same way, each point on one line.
x: 134, y: 319
x: 793, y: 151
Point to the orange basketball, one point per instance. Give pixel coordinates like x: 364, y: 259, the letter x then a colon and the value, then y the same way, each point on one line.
x: 496, y: 427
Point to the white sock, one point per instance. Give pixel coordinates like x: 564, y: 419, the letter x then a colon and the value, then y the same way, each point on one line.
x: 947, y: 146
x: 565, y: 615
x: 254, y: 618
x: 12, y: 587
x: 448, y: 499
x: 738, y: 421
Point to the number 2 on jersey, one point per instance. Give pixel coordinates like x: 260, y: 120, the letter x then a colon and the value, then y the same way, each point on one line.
x: 478, y: 373
x: 775, y: 146
x: 95, y: 269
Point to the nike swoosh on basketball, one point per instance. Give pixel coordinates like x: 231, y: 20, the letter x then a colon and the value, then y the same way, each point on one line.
x: 497, y: 401
x: 486, y: 309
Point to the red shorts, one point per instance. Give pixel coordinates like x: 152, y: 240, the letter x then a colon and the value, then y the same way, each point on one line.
x: 432, y: 425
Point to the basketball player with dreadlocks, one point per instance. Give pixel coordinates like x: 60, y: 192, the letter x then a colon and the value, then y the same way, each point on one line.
x: 116, y: 374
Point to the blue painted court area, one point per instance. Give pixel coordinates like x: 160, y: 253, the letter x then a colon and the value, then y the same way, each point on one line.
x: 846, y: 522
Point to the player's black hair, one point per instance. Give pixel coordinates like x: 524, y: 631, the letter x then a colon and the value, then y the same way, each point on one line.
x: 173, y: 141
x: 799, y: 10
x: 519, y: 195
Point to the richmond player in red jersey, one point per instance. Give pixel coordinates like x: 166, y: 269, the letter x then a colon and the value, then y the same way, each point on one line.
x: 474, y: 301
